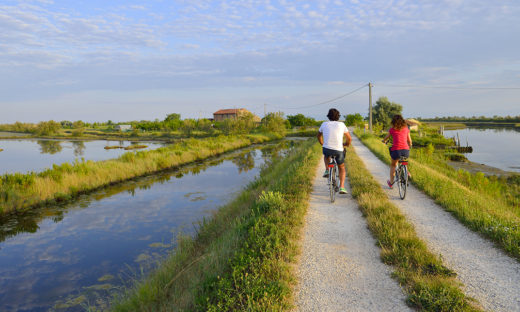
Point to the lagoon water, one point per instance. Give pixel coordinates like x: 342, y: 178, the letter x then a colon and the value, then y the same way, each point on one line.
x: 68, y: 257
x: 498, y: 147
x: 35, y: 155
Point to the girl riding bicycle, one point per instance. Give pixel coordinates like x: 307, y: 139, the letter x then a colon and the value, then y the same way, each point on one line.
x: 401, y: 144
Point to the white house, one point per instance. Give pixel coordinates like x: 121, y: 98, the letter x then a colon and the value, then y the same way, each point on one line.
x: 123, y: 127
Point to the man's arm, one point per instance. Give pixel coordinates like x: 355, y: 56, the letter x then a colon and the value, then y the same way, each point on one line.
x: 348, y: 139
x: 320, y: 138
x: 386, y: 138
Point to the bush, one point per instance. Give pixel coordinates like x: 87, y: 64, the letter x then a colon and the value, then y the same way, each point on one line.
x: 274, y: 122
x: 47, y: 127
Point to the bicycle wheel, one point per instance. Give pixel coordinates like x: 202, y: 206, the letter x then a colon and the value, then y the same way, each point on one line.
x: 332, y: 182
x: 397, y: 176
x: 403, y: 181
x: 336, y: 184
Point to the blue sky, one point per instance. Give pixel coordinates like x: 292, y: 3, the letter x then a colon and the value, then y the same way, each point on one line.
x: 132, y: 60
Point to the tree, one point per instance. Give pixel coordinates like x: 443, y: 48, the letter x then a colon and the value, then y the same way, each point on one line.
x: 188, y: 125
x: 354, y: 119
x: 79, y: 128
x: 274, y: 122
x: 47, y: 127
x: 384, y: 110
x: 173, y: 116
x: 300, y: 120
x: 244, y: 123
x: 65, y: 124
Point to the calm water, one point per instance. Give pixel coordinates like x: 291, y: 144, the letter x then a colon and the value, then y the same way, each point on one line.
x: 35, y: 155
x: 59, y: 256
x: 498, y: 148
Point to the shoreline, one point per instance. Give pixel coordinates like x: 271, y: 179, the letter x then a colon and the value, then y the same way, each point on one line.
x: 473, y: 167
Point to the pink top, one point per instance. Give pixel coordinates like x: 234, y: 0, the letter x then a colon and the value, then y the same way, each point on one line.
x: 399, y: 138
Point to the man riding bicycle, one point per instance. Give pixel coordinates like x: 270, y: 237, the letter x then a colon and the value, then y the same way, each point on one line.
x: 330, y: 136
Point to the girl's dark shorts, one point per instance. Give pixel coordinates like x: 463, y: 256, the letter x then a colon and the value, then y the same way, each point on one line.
x: 340, y: 156
x: 398, y: 153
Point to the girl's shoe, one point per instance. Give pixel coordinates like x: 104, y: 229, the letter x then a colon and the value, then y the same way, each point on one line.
x: 390, y: 185
x: 326, y: 173
x: 342, y: 190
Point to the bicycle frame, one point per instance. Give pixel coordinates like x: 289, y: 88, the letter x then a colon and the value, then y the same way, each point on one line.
x: 401, y: 177
x: 333, y: 180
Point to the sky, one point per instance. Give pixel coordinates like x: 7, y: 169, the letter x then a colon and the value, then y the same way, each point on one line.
x: 128, y: 60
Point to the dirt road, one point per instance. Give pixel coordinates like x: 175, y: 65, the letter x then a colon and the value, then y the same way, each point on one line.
x: 340, y: 268
x: 489, y: 275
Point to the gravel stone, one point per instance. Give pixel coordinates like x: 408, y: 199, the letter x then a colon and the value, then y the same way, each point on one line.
x: 340, y: 268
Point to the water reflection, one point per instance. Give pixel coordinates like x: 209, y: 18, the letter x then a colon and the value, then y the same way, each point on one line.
x: 495, y: 128
x: 60, y: 256
x: 27, y: 221
x: 79, y: 148
x: 37, y: 155
x: 49, y: 146
x: 497, y: 147
x: 244, y: 162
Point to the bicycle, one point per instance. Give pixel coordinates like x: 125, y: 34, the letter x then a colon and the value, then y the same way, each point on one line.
x: 333, y: 180
x: 401, y: 176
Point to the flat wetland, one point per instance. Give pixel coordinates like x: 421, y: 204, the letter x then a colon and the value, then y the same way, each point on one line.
x: 24, y: 155
x: 496, y: 147
x: 67, y: 257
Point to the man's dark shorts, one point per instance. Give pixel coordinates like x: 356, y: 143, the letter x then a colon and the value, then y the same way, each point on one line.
x: 398, y: 153
x: 340, y: 157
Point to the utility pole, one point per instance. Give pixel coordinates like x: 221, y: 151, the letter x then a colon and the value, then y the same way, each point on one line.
x: 370, y: 106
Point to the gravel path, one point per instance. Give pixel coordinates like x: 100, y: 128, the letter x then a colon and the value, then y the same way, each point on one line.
x: 489, y: 275
x: 340, y: 268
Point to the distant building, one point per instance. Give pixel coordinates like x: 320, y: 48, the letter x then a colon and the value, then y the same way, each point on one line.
x: 123, y: 127
x: 232, y: 113
x: 413, y: 124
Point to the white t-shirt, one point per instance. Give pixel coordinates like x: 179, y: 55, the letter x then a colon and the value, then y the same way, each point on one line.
x: 333, y: 134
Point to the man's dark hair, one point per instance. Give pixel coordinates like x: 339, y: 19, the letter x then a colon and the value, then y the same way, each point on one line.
x: 333, y: 114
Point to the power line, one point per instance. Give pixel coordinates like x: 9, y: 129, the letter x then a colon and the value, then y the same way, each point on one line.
x: 448, y: 87
x: 329, y: 101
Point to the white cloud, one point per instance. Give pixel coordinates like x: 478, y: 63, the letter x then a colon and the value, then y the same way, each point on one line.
x: 191, y: 44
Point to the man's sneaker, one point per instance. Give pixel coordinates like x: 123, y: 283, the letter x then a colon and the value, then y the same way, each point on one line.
x: 342, y: 190
x: 326, y: 173
x: 389, y: 184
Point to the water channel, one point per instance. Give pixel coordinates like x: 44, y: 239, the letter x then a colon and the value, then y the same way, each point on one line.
x: 497, y: 147
x: 68, y: 257
x: 25, y: 155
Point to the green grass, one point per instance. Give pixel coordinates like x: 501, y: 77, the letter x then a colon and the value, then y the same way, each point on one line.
x: 429, y: 284
x: 486, y: 205
x: 66, y: 181
x: 242, y: 258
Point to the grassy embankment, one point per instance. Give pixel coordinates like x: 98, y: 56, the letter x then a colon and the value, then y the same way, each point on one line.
x: 242, y: 258
x: 66, y: 181
x: 487, y: 205
x: 429, y: 284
